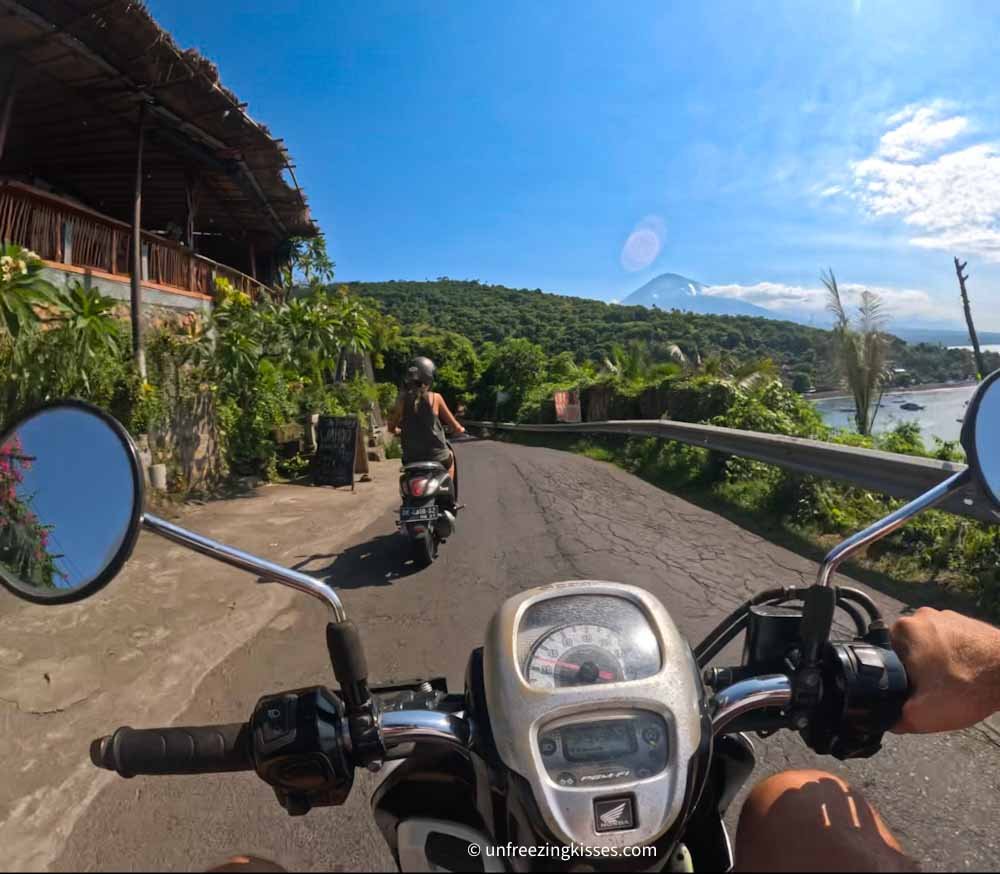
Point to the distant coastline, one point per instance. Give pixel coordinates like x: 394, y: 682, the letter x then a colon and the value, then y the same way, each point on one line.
x: 916, y: 389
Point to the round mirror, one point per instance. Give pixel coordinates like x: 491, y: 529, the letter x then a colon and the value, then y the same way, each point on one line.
x: 981, y: 435
x: 70, y: 502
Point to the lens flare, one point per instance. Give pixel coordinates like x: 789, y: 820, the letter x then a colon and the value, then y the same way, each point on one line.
x: 643, y: 245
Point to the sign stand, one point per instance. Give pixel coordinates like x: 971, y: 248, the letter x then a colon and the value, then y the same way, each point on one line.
x: 336, y: 455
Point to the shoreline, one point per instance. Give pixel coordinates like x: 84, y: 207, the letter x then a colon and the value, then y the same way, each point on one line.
x: 835, y: 394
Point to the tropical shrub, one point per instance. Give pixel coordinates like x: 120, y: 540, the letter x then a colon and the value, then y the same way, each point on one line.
x: 24, y: 540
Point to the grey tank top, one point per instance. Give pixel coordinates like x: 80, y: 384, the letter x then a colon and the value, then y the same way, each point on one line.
x: 423, y: 435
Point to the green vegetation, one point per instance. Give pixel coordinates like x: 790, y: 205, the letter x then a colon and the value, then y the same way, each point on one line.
x: 743, y: 373
x: 810, y: 515
x: 590, y: 329
x: 24, y: 540
x: 247, y: 370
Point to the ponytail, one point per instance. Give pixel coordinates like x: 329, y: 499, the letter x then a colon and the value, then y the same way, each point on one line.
x: 416, y: 393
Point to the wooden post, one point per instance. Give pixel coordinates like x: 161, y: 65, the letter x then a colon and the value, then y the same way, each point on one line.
x: 138, y: 353
x: 8, y: 87
x: 113, y: 260
x: 253, y: 260
x: 191, y: 185
x: 980, y: 367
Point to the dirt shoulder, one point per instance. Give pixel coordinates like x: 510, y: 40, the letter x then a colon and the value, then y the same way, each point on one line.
x: 140, y: 648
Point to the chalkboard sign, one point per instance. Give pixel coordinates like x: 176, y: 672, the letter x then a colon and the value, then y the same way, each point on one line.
x: 336, y: 449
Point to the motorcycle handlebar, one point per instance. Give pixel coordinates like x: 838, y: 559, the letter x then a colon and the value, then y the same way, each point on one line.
x: 206, y: 749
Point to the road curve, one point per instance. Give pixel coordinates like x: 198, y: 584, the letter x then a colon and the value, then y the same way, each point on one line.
x: 534, y: 516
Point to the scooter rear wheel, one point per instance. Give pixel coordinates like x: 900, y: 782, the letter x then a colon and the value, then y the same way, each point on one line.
x: 424, y: 550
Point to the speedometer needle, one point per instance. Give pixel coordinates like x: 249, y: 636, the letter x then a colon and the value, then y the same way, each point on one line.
x: 603, y: 675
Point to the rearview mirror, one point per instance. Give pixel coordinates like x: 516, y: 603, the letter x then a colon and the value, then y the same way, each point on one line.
x: 981, y: 435
x: 70, y: 502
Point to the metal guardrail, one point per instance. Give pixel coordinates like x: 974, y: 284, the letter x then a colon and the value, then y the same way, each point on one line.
x: 900, y: 476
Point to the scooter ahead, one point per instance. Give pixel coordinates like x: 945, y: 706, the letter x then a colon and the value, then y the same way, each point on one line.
x: 587, y: 721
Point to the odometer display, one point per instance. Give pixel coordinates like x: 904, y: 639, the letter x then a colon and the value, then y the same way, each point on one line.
x: 598, y: 741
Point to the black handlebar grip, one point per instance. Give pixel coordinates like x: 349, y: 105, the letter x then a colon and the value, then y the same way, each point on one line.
x: 205, y: 749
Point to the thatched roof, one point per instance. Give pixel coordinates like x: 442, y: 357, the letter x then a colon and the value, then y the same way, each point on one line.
x: 84, y: 69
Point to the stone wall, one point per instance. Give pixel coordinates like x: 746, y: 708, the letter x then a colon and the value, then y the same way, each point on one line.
x: 189, y: 445
x: 156, y: 303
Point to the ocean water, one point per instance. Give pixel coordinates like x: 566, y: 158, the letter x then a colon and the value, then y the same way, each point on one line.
x: 989, y: 347
x: 941, y: 416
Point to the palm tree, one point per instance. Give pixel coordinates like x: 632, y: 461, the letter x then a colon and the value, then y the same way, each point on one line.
x: 860, y: 350
x: 635, y: 362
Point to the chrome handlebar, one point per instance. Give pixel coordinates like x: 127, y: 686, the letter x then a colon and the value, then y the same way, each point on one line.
x: 757, y: 693
x: 402, y: 728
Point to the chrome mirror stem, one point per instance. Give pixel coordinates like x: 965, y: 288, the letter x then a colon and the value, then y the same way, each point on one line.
x: 757, y: 693
x: 247, y: 562
x: 890, y: 523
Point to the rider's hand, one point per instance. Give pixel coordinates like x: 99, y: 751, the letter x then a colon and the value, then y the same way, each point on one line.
x: 953, y: 666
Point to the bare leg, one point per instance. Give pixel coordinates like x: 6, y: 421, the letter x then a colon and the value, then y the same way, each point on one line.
x: 248, y: 865
x: 814, y: 821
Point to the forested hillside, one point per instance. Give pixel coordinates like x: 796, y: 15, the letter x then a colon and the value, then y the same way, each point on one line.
x: 589, y: 329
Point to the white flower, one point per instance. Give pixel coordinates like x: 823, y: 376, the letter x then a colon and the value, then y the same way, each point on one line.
x: 31, y: 256
x: 22, y: 266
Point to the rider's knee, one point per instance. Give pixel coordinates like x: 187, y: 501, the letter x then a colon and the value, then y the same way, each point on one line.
x: 762, y: 798
x: 809, y: 820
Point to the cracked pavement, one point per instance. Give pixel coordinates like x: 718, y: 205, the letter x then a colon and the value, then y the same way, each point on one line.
x: 534, y: 516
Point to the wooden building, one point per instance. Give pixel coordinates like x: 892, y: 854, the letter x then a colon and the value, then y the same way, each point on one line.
x: 119, y: 148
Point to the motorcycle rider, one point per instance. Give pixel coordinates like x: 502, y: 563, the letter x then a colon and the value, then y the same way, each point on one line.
x: 418, y: 415
x: 810, y: 820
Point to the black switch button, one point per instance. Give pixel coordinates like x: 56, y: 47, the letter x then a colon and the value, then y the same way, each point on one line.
x: 275, y: 722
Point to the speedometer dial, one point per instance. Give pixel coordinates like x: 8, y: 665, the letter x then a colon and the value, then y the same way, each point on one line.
x: 576, y: 655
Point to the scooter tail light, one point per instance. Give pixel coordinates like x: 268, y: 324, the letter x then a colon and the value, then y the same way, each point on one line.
x: 418, y: 486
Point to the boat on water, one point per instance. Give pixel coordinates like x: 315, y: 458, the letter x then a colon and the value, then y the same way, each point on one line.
x: 909, y: 405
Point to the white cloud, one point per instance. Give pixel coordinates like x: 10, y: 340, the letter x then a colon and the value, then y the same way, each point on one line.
x: 831, y: 191
x: 919, y: 134
x: 900, y: 303
x: 952, y: 197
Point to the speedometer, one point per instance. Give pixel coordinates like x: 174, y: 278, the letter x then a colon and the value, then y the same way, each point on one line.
x: 577, y: 655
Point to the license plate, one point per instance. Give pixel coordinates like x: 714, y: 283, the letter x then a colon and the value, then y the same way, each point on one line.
x: 418, y: 514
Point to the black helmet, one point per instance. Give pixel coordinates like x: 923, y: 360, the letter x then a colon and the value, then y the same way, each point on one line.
x: 421, y: 370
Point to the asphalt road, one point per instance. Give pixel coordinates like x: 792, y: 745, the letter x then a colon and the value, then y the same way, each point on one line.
x: 534, y: 516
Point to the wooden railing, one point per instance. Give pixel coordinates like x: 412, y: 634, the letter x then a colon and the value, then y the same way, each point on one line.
x: 64, y: 232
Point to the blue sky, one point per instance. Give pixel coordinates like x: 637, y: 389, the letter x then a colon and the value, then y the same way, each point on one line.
x: 80, y: 484
x: 747, y: 145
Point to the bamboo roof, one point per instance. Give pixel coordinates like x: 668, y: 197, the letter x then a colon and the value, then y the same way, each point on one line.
x: 85, y: 67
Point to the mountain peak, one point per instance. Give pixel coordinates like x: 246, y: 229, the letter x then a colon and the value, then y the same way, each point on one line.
x: 671, y: 291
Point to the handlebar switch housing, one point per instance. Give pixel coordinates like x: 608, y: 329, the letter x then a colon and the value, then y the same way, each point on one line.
x: 301, y: 747
x: 772, y: 633
x: 864, y: 688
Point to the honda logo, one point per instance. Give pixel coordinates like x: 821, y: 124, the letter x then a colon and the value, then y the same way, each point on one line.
x: 614, y: 814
